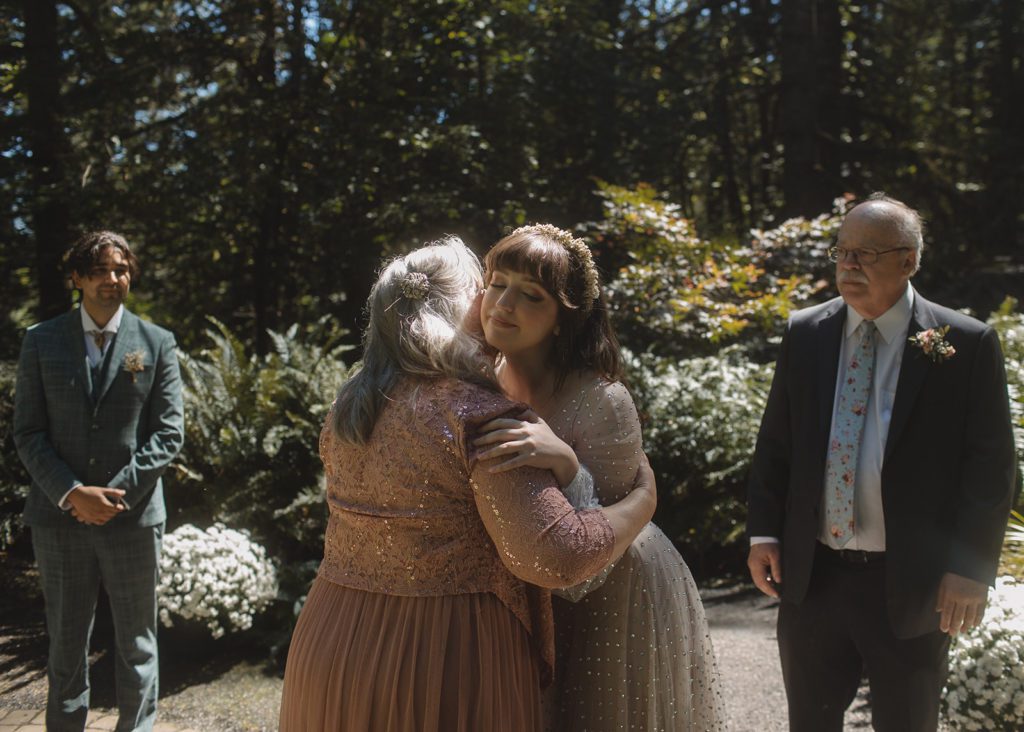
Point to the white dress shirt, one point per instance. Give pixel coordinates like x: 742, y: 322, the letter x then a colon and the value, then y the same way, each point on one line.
x: 890, y: 339
x: 90, y: 327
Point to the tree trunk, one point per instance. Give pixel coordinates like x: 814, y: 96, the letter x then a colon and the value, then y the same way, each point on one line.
x: 51, y: 220
x: 1005, y: 188
x: 722, y: 124
x: 808, y: 43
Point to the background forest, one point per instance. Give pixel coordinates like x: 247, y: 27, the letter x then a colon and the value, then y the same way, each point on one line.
x: 263, y: 155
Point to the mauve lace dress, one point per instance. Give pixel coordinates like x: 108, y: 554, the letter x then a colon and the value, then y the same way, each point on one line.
x: 633, y: 653
x: 421, y: 617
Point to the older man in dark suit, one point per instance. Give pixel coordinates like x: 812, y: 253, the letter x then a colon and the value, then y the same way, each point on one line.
x: 97, y: 419
x: 881, y: 483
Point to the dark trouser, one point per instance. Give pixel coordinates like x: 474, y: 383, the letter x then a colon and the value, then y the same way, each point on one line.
x: 73, y: 560
x: 841, y: 629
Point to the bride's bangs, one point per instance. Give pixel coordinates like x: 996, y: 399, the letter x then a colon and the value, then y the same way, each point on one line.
x: 546, y: 262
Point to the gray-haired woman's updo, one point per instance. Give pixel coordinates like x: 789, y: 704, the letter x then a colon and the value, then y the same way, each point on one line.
x: 416, y: 313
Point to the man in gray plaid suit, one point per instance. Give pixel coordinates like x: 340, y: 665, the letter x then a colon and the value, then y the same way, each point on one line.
x: 98, y: 418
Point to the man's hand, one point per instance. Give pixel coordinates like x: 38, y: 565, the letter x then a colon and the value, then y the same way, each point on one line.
x: 961, y: 603
x: 94, y: 504
x: 765, y: 563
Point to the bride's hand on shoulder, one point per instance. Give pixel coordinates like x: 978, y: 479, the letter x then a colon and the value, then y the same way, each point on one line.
x: 512, y: 443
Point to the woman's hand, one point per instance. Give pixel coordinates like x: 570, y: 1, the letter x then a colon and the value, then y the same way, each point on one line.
x: 527, y: 441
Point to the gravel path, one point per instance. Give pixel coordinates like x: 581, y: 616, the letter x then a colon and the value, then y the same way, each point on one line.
x: 742, y: 622
x: 230, y: 690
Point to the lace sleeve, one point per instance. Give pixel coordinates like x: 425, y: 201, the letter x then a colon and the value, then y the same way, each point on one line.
x: 539, y: 536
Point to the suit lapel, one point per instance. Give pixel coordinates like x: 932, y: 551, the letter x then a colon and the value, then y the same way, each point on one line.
x: 126, y: 340
x: 913, y: 370
x: 76, y: 347
x: 830, y: 335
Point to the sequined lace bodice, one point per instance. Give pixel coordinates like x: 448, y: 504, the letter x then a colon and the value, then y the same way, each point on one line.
x: 412, y: 514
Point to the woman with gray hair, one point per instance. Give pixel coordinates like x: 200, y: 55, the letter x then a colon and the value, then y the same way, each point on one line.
x: 430, y: 611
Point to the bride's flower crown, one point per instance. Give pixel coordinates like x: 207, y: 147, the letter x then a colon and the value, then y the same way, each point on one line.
x: 576, y: 247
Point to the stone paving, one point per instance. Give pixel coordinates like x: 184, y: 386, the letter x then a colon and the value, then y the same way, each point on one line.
x: 33, y: 720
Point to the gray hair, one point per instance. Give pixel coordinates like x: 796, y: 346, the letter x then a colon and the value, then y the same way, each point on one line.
x: 414, y: 330
x: 908, y: 222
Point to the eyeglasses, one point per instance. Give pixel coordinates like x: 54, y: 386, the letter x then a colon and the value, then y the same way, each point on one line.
x: 860, y: 256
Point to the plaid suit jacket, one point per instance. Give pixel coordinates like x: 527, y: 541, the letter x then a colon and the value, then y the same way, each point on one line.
x: 122, y: 434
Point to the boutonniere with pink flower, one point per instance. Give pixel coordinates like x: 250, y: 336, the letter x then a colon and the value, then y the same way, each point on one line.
x: 933, y: 344
x: 135, y: 363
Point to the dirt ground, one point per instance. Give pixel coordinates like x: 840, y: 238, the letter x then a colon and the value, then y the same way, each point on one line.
x: 226, y: 685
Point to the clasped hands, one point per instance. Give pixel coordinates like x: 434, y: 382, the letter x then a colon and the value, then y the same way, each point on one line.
x: 961, y: 600
x: 95, y: 505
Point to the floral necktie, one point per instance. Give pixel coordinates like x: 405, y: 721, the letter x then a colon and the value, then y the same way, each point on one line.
x: 99, y: 337
x: 844, y: 449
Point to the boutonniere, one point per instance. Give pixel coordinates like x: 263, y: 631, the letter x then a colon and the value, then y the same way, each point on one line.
x: 135, y: 363
x: 933, y: 344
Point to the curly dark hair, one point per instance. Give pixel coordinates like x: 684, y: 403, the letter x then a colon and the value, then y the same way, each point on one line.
x: 85, y: 253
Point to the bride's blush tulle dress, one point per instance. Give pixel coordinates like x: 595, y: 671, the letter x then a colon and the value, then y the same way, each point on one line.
x: 634, y: 654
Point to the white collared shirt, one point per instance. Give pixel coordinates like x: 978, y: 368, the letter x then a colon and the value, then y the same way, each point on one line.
x: 89, y: 326
x: 890, y: 340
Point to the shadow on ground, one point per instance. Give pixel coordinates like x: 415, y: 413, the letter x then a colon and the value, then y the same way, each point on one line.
x: 191, y: 663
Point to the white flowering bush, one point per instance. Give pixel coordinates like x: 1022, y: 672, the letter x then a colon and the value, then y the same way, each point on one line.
x: 219, y: 577
x: 985, y: 687
x: 1009, y: 323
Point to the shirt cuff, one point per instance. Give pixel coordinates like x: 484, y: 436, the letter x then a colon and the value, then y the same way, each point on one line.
x: 64, y: 505
x: 763, y: 540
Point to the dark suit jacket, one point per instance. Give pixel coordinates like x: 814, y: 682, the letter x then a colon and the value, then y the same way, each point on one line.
x: 123, y: 436
x: 947, y: 474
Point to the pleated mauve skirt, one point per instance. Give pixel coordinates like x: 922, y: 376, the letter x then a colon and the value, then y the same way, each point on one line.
x: 368, y: 661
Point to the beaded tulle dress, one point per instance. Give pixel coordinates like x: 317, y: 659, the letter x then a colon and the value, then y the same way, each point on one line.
x: 633, y: 650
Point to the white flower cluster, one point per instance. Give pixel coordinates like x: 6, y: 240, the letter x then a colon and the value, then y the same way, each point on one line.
x: 218, y: 576
x: 985, y: 687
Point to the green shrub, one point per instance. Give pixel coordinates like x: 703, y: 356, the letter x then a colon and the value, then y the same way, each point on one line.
x: 251, y: 458
x: 676, y: 294
x: 14, y: 479
x: 1010, y: 325
x: 701, y: 418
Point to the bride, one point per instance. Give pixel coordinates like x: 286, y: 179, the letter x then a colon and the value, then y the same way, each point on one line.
x: 632, y: 646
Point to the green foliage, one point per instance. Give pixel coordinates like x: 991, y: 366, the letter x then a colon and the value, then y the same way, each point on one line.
x: 680, y: 295
x: 1011, y: 561
x: 1009, y: 324
x: 14, y: 479
x: 261, y: 153
x: 701, y: 417
x: 252, y: 428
